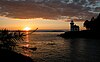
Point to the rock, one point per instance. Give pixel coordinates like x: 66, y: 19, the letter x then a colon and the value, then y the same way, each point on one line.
x: 10, y: 56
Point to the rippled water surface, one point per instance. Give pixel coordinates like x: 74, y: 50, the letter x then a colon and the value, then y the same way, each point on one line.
x: 51, y: 48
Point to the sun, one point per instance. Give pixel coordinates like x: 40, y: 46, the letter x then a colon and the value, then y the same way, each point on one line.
x: 27, y: 28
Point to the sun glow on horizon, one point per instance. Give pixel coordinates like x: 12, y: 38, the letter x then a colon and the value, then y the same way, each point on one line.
x: 27, y: 28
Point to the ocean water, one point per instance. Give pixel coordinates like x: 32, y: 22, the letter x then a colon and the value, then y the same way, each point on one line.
x: 52, y: 48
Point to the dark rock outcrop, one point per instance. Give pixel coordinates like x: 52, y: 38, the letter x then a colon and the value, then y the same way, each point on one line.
x: 10, y: 56
x: 81, y: 34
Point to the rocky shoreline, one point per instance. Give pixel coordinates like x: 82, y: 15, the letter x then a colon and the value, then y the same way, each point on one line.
x: 81, y: 34
x: 10, y: 56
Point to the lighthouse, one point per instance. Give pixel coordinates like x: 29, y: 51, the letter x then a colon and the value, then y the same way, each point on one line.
x: 73, y: 27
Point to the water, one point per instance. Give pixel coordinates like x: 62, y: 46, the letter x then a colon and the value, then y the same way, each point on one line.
x: 51, y: 48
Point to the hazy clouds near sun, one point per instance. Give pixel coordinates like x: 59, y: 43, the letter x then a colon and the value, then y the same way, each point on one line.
x: 50, y: 9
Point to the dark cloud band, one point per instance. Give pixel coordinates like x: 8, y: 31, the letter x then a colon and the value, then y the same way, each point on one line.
x: 50, y: 9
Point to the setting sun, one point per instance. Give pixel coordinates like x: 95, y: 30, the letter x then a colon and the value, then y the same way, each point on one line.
x: 27, y: 28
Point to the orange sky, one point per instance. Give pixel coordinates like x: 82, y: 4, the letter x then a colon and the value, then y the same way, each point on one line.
x: 42, y: 24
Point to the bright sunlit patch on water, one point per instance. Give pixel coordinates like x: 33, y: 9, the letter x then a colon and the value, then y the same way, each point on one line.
x: 27, y: 28
x: 27, y: 37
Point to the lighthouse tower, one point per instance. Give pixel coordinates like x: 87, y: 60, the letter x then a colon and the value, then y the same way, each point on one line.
x: 71, y: 25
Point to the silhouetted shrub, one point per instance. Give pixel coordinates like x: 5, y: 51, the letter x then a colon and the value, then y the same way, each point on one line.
x: 93, y: 24
x: 8, y: 40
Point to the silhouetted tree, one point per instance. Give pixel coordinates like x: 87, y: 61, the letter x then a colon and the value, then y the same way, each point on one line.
x: 97, y: 23
x: 93, y: 24
x: 8, y: 40
x: 92, y: 19
x: 98, y: 18
x: 87, y: 24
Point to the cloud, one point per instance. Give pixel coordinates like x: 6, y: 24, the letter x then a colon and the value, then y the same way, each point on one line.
x: 48, y: 9
x: 26, y: 10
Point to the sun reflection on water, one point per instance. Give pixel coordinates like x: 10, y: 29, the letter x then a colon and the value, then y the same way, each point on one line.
x: 27, y: 37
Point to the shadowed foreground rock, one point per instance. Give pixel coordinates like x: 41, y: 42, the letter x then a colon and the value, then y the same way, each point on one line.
x: 10, y: 56
x: 81, y: 34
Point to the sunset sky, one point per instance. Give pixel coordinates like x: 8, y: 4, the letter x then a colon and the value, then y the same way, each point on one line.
x: 46, y: 14
x: 42, y: 24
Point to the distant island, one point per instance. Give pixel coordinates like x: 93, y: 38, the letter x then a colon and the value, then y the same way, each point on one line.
x: 92, y: 29
x: 36, y: 30
x: 50, y: 30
